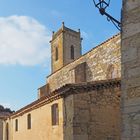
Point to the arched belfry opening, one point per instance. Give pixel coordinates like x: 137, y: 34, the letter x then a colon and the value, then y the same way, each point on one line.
x: 56, y: 53
x: 72, y: 51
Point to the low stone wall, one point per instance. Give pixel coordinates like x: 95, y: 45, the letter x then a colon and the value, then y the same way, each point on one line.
x: 102, y: 62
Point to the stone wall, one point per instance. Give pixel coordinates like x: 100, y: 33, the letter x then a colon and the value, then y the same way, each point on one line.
x: 93, y: 115
x: 43, y: 91
x: 87, y: 111
x: 102, y: 62
x: 1, y: 129
x: 97, y: 115
x: 131, y: 70
x: 68, y: 117
x: 80, y: 73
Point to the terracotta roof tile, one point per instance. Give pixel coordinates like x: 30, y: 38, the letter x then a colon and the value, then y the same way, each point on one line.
x: 66, y: 90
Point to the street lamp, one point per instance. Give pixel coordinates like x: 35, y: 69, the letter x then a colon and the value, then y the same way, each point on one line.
x: 102, y: 5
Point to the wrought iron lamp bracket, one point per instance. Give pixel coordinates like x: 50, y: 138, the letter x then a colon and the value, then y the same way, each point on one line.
x: 102, y: 5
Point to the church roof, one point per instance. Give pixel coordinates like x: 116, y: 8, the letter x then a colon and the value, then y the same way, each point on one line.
x: 3, y: 116
x: 67, y: 90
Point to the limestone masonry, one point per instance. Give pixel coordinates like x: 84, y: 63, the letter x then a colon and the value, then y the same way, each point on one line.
x: 4, y: 113
x: 81, y: 98
x: 95, y: 96
x: 130, y: 51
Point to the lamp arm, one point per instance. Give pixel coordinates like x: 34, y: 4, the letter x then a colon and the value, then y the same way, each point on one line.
x: 110, y: 18
x: 102, y: 5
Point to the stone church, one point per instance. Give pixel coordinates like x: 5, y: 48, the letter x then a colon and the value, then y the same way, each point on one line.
x: 81, y: 97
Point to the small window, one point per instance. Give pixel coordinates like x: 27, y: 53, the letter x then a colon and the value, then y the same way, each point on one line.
x: 72, y: 52
x: 29, y: 121
x: 55, y: 114
x: 16, y: 125
x: 7, y: 131
x: 56, y: 53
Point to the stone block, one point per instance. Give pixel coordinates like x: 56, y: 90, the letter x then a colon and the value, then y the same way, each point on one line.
x: 131, y: 4
x: 131, y: 105
x: 132, y: 82
x: 130, y: 30
x: 80, y: 137
x: 132, y: 16
x: 133, y: 93
x: 134, y: 72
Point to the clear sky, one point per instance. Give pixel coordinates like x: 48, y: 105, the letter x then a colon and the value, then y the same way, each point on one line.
x: 25, y: 31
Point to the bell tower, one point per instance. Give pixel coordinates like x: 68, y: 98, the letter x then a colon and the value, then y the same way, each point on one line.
x: 65, y: 47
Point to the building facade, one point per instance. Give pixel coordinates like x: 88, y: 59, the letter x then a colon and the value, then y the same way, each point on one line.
x: 81, y: 98
x: 130, y: 51
x: 4, y: 113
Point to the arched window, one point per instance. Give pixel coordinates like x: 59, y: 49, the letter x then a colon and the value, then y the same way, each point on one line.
x: 7, y: 131
x: 72, y: 51
x: 56, y: 53
x: 111, y: 73
x: 29, y: 121
x: 16, y: 125
x: 55, y: 114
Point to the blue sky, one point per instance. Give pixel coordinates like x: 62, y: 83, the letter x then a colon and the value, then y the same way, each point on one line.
x: 25, y: 31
